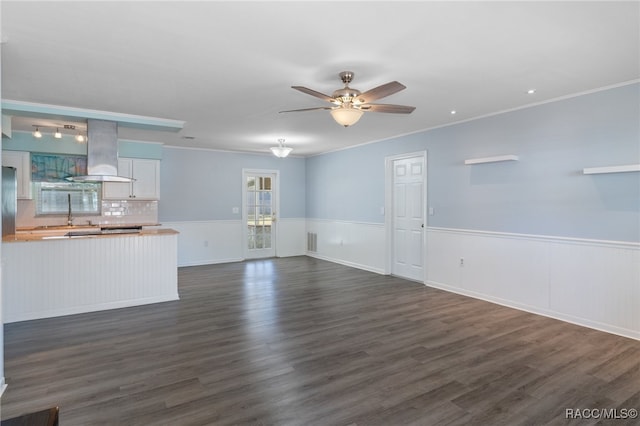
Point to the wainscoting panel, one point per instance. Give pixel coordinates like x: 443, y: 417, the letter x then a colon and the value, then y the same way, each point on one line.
x: 596, y: 282
x: 292, y: 237
x: 587, y: 282
x: 220, y: 241
x: 357, y: 244
x: 208, y: 242
x: 44, y: 279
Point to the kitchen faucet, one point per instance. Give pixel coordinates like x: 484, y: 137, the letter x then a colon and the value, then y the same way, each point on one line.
x: 69, y: 217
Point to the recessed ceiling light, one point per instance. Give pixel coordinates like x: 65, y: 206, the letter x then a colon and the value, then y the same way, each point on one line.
x: 189, y: 137
x: 453, y: 111
x: 531, y: 91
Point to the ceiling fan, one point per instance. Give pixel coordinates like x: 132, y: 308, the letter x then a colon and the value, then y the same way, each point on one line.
x: 350, y: 104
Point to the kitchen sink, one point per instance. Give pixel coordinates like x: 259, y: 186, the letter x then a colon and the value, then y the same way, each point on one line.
x: 54, y: 227
x: 84, y: 233
x: 105, y: 231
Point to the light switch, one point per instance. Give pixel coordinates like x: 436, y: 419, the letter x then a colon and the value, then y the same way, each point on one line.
x: 382, y: 211
x: 430, y: 211
x: 235, y: 210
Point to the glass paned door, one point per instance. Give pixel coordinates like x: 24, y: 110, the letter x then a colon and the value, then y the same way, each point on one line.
x: 260, y: 214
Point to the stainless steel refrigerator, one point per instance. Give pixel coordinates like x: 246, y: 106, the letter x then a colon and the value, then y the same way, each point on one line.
x: 9, y: 200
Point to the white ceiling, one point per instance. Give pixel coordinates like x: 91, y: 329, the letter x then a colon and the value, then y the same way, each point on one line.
x: 226, y: 67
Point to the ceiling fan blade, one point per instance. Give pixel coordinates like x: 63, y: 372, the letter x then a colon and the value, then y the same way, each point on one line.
x: 380, y: 92
x: 313, y: 93
x: 396, y: 109
x: 306, y: 109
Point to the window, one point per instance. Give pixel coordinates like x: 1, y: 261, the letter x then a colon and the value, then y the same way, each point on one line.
x: 53, y: 198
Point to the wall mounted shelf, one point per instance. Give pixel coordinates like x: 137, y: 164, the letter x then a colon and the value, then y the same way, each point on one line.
x: 611, y: 169
x: 491, y: 159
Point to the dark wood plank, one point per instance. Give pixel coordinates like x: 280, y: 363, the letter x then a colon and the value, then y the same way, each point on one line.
x: 299, y: 341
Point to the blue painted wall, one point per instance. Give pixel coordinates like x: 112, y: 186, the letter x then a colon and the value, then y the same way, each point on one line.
x: 207, y: 185
x: 545, y: 193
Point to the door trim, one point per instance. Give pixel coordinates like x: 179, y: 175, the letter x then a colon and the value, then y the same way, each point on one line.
x: 276, y: 206
x: 388, y: 209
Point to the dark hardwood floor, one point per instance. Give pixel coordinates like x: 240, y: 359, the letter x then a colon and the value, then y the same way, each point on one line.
x: 299, y: 341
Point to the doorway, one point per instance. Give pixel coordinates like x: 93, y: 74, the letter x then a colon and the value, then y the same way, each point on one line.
x: 405, y: 221
x: 259, y: 212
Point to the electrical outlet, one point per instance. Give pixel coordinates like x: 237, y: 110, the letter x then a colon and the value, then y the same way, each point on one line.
x: 462, y: 261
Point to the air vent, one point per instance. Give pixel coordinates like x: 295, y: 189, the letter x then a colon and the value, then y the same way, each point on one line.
x: 312, y: 242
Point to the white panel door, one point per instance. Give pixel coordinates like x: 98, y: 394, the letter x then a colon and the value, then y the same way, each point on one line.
x: 408, y: 218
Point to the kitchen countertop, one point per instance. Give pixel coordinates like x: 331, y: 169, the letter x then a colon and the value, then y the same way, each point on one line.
x: 72, y: 227
x: 59, y: 234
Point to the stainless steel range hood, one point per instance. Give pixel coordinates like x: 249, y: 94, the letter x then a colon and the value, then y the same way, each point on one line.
x: 102, y: 153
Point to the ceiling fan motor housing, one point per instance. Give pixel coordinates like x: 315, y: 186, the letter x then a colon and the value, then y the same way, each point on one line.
x: 346, y: 95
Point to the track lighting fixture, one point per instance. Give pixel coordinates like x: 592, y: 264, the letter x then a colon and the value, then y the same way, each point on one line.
x: 80, y: 137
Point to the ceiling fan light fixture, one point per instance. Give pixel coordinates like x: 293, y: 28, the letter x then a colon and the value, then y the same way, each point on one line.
x: 351, y: 103
x: 346, y: 116
x: 281, y: 151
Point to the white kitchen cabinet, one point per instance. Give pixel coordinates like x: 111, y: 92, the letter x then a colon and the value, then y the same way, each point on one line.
x: 21, y: 160
x: 146, y: 185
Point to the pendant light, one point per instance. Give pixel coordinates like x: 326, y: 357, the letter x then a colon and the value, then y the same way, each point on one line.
x: 281, y: 151
x: 37, y: 134
x: 57, y: 134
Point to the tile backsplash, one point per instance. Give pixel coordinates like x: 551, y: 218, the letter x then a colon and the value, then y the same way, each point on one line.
x: 118, y: 212
x: 128, y: 211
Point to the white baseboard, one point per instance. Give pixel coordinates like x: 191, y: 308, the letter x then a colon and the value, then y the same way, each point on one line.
x: 346, y: 263
x: 538, y: 311
x: 592, y: 283
x: 210, y: 262
x: 27, y: 316
x: 357, y: 244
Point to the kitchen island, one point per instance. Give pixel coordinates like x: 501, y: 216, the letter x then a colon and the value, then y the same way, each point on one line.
x: 48, y: 274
